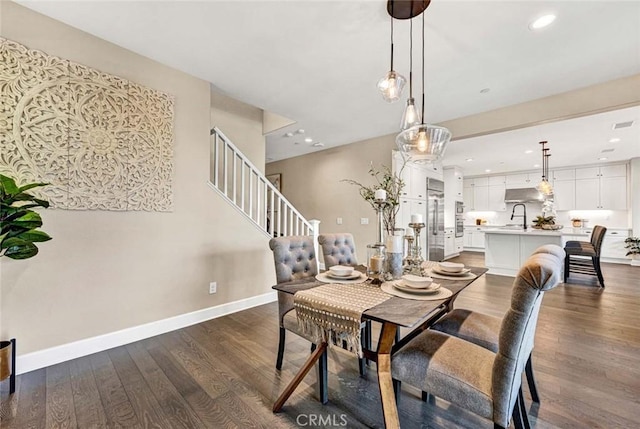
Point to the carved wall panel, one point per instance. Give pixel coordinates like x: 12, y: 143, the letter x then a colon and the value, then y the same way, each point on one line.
x: 103, y: 142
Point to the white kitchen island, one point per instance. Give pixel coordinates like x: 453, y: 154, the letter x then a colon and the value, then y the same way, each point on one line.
x: 506, y: 250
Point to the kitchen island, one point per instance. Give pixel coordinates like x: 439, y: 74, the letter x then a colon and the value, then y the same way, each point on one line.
x: 507, y: 249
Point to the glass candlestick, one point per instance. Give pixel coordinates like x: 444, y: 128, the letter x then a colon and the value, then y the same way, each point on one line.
x: 415, y: 261
x: 380, y: 204
x: 376, y: 262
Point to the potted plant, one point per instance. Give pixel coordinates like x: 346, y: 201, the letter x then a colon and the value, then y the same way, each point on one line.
x: 633, y: 246
x: 544, y: 222
x: 576, y: 222
x: 18, y: 233
x: 18, y: 223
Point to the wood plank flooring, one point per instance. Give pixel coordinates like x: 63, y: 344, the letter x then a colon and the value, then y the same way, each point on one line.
x: 221, y: 373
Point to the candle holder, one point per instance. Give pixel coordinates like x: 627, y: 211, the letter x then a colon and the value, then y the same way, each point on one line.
x: 376, y: 262
x: 414, y: 260
x: 380, y: 205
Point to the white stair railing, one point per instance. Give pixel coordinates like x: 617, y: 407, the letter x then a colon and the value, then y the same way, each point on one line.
x: 238, y: 181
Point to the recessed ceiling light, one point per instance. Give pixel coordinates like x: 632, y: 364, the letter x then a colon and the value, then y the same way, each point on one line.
x: 469, y: 159
x: 485, y: 90
x: 308, y: 140
x: 528, y: 151
x: 300, y: 131
x: 536, y: 165
x: 487, y: 170
x: 318, y: 144
x: 614, y: 140
x: 288, y: 135
x: 602, y: 158
x: 542, y: 22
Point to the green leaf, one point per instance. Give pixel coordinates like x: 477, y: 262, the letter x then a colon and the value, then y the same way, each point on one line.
x: 30, y: 186
x: 34, y: 236
x: 8, y: 185
x: 21, y: 252
x: 29, y: 220
x: 13, y: 242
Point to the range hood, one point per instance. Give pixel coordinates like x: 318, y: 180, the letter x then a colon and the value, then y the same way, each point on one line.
x: 523, y: 195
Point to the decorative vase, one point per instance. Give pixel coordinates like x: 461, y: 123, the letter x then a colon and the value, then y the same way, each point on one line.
x: 635, y: 260
x: 395, y: 253
x: 8, y: 363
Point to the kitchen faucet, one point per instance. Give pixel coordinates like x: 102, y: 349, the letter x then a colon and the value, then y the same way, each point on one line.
x: 523, y: 215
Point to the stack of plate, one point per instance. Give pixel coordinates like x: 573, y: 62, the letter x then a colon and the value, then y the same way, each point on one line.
x: 450, y: 269
x: 416, y: 284
x: 342, y: 272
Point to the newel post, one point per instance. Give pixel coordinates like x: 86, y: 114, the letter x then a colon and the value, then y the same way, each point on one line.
x: 315, y: 232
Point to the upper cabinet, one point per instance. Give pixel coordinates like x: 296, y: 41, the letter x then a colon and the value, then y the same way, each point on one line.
x: 484, y: 194
x: 603, y: 187
x: 521, y: 180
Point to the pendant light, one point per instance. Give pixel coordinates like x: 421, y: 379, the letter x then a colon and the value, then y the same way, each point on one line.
x: 411, y: 115
x: 544, y: 186
x: 392, y: 84
x: 423, y: 143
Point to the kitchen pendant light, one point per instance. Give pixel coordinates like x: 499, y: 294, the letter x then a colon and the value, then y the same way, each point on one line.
x: 411, y: 115
x: 423, y: 143
x: 544, y: 186
x: 392, y: 83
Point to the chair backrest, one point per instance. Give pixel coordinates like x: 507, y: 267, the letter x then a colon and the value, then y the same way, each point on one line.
x: 294, y: 257
x: 541, y: 272
x: 597, y: 235
x: 338, y: 249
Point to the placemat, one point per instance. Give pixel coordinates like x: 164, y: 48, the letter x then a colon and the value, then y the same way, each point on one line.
x: 442, y: 293
x: 324, y: 278
x: 333, y: 312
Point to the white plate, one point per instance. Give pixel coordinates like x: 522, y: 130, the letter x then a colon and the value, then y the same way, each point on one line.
x: 354, y: 275
x: 464, y: 272
x: 401, y: 286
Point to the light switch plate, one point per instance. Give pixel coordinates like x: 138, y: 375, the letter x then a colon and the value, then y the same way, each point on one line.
x: 364, y: 221
x: 339, y: 221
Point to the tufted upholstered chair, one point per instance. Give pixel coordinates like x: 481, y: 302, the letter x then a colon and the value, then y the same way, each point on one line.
x: 294, y: 259
x: 583, y: 257
x: 484, y: 330
x: 338, y: 249
x: 471, y: 376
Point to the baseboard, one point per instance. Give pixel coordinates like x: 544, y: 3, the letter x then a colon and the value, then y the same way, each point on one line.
x: 51, y: 356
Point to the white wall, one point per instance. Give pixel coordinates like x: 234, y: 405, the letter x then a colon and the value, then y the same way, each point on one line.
x: 106, y: 271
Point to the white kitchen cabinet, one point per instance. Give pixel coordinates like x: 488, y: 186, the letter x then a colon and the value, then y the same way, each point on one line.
x: 601, y: 188
x: 481, y: 198
x: 418, y: 182
x: 522, y: 180
x: 496, y: 198
x: 449, y: 242
x: 459, y: 244
x: 588, y: 194
x: 613, y: 245
x: 453, y: 184
x: 467, y: 195
x: 496, y: 180
x: 613, y: 193
x: 473, y: 238
x: 566, y: 174
x: 564, y: 194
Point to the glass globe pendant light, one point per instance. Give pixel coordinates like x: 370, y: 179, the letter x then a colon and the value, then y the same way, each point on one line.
x: 411, y: 115
x: 544, y: 186
x: 392, y: 83
x: 423, y: 143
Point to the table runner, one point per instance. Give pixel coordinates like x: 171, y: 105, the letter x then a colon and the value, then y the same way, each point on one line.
x: 333, y: 312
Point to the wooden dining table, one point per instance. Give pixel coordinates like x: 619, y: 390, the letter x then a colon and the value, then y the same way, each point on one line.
x: 394, y: 313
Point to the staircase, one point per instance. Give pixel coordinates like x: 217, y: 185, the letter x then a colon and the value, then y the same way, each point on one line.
x: 239, y: 182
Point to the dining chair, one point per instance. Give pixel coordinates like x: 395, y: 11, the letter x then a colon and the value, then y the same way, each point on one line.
x: 473, y: 377
x: 340, y: 249
x: 484, y: 329
x: 294, y: 259
x: 584, y: 257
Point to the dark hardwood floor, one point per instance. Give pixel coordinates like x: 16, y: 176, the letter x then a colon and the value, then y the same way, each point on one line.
x: 221, y: 373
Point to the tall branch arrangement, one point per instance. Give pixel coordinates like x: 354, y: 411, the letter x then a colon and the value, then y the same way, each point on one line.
x: 390, y: 182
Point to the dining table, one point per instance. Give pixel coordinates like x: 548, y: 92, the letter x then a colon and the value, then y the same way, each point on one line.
x: 394, y: 313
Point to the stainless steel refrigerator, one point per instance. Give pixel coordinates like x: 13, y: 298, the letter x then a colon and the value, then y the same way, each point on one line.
x: 435, y: 220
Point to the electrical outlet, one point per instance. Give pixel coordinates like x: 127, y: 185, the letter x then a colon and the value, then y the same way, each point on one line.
x: 339, y: 221
x: 213, y: 287
x: 364, y: 221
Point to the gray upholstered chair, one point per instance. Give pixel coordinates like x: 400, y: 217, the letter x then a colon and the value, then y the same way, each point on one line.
x: 583, y: 257
x: 338, y: 249
x: 294, y: 259
x: 471, y: 376
x: 484, y: 330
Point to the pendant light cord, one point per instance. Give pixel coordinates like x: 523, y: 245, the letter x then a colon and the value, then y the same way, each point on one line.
x: 411, y: 57
x: 391, y: 36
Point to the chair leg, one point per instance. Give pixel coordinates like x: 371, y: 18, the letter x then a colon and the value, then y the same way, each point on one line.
x: 523, y: 410
x: 280, y: 349
x: 397, y: 387
x: 517, y: 416
x: 528, y: 370
x: 566, y: 267
x: 497, y: 426
x: 323, y: 379
x: 313, y: 347
x: 596, y: 265
x: 367, y: 336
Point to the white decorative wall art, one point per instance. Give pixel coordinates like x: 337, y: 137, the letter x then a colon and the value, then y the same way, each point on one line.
x: 103, y: 142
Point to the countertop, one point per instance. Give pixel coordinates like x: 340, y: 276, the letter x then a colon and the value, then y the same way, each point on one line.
x: 530, y: 231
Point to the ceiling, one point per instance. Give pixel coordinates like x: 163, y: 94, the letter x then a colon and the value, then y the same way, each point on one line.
x: 317, y: 62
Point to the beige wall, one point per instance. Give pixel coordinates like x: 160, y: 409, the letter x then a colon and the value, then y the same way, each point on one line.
x: 312, y: 182
x: 106, y: 271
x: 242, y: 124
